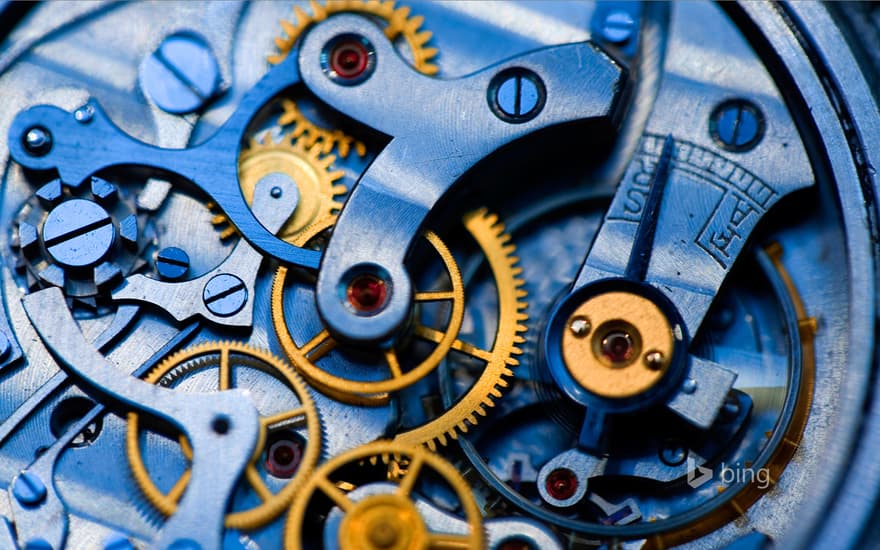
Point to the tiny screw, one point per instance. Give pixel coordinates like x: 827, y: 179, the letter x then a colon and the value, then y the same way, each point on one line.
x: 37, y: 141
x: 84, y: 114
x: 673, y: 453
x: 28, y: 489
x: 516, y: 95
x: 182, y: 75
x: 618, y: 27
x: 689, y: 386
x: 225, y: 295
x: 580, y: 326
x: 78, y: 233
x: 731, y: 407
x: 172, y: 263
x: 654, y: 360
x: 276, y: 192
x: 737, y: 125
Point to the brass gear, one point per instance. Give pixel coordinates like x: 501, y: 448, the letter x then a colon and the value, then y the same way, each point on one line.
x: 385, y: 521
x: 399, y: 24
x: 311, y: 134
x: 306, y: 165
x: 465, y: 412
x: 218, y: 354
x: 305, y: 356
x: 499, y: 252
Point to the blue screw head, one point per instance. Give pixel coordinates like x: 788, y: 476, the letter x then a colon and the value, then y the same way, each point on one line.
x: 172, y: 263
x: 737, y: 125
x: 28, y: 489
x: 78, y: 233
x: 618, y: 27
x: 673, y: 453
x: 517, y: 95
x: 182, y: 75
x: 225, y: 295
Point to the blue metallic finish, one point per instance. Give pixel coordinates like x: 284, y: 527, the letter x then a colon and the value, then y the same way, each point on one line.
x: 737, y: 125
x: 78, y: 233
x: 412, y: 173
x: 618, y: 27
x: 225, y: 295
x: 182, y: 75
x: 117, y: 541
x: 81, y: 150
x: 172, y: 263
x: 517, y: 96
x: 29, y: 489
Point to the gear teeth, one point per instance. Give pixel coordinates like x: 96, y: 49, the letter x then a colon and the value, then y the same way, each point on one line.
x: 398, y: 23
x: 209, y: 354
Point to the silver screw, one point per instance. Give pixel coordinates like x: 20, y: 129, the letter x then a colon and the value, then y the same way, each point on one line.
x: 654, y: 360
x: 84, y: 114
x: 38, y: 141
x: 225, y: 295
x: 618, y: 27
x: 689, y: 386
x: 580, y: 326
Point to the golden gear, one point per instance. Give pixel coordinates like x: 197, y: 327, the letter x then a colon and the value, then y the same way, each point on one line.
x: 311, y: 134
x: 221, y: 355
x: 399, y: 24
x: 387, y: 520
x: 305, y: 357
x: 306, y: 166
x: 499, y: 252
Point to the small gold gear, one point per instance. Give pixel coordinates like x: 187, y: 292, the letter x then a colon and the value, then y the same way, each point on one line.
x: 312, y: 135
x: 228, y: 357
x: 398, y: 24
x: 499, y: 252
x: 306, y: 166
x: 386, y: 520
x: 305, y: 356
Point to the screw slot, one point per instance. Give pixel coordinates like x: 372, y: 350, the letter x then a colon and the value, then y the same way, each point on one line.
x: 517, y: 95
x: 737, y: 125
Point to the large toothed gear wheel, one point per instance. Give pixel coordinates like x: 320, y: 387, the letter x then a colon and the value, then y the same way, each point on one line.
x: 311, y: 170
x: 290, y: 439
x: 399, y: 24
x: 306, y: 355
x: 494, y: 245
x: 389, y: 518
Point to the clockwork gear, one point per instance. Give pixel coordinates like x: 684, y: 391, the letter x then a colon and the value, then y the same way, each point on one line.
x: 290, y: 436
x: 399, y: 24
x: 311, y: 171
x: 690, y: 189
x: 306, y: 351
x: 374, y: 491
